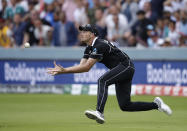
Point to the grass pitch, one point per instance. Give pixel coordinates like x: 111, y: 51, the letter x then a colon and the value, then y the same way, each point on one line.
x: 49, y: 112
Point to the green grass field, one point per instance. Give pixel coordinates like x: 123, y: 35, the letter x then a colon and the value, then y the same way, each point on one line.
x: 49, y: 112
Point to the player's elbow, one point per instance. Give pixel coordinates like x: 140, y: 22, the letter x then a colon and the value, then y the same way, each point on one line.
x: 87, y: 69
x: 88, y: 65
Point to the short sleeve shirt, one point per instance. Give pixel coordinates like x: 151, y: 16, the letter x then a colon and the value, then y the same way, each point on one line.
x: 105, y: 52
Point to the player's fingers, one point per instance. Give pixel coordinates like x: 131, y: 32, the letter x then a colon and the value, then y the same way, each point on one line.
x: 54, y: 73
x: 60, y: 66
x: 50, y: 69
x: 54, y: 63
x: 49, y: 72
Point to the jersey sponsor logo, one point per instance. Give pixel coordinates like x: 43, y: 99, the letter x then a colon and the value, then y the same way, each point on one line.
x: 94, y: 51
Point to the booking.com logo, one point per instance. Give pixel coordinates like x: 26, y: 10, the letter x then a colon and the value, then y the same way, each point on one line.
x: 22, y: 73
x: 166, y: 75
x: 91, y: 76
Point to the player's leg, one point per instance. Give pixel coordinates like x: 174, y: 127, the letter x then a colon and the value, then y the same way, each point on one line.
x: 123, y: 92
x: 104, y: 81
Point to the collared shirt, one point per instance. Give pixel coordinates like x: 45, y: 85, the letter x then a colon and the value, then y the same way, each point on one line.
x: 94, y: 41
x: 107, y: 53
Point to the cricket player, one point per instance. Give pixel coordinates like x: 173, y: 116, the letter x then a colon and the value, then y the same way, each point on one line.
x: 121, y: 71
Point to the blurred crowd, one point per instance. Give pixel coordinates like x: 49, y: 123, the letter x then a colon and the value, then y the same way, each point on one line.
x: 127, y: 23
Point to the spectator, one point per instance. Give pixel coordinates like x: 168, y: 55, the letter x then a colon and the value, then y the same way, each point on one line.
x: 91, y: 11
x: 58, y: 5
x: 56, y: 16
x: 184, y: 5
x: 80, y: 15
x: 14, y: 8
x: 38, y: 5
x: 127, y: 27
x: 31, y: 5
x: 69, y: 7
x: 177, y: 17
x: 172, y: 5
x: 65, y: 32
x: 5, y: 35
x: 43, y: 33
x: 182, y: 42
x: 113, y: 10
x: 173, y: 34
x: 142, y: 2
x: 139, y: 29
x: 3, y: 4
x: 183, y: 26
x: 115, y: 31
x: 131, y: 40
x: 150, y: 29
x: 129, y: 9
x: 154, y: 41
x: 166, y: 27
x: 18, y: 30
x: 157, y: 7
x: 167, y: 14
x: 100, y: 23
x: 47, y: 13
x: 29, y: 28
x: 160, y: 27
x: 149, y: 13
x: 23, y: 4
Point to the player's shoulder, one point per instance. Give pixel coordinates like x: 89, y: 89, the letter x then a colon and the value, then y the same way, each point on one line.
x: 101, y: 42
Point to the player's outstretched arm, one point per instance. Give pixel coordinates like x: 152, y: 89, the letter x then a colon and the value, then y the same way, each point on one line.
x: 83, y: 61
x: 84, y: 66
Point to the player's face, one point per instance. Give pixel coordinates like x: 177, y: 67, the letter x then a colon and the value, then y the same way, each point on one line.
x: 85, y: 36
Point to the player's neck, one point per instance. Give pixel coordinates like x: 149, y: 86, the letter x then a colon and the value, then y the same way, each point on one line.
x: 90, y: 41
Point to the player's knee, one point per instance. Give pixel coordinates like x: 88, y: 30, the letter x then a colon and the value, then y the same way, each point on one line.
x: 125, y: 106
x: 122, y: 108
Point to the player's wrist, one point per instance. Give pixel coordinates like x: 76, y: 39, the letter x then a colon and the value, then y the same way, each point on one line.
x: 63, y: 70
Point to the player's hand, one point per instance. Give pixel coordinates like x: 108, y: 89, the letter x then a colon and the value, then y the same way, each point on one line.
x: 58, y: 69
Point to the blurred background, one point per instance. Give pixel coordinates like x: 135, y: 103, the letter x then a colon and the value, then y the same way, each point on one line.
x: 132, y: 23
x: 152, y: 32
